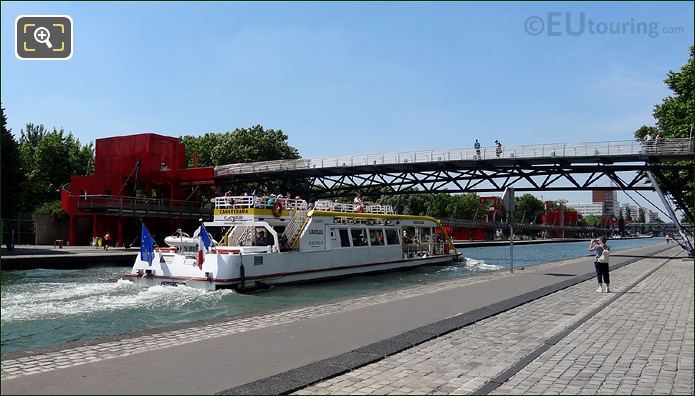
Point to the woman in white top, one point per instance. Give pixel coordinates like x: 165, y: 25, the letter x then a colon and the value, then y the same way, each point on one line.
x: 601, y: 263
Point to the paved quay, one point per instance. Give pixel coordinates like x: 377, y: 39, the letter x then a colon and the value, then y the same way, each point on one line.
x: 25, y: 257
x: 642, y: 342
x: 286, y: 350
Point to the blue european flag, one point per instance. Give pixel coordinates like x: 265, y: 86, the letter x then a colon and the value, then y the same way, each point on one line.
x: 146, y: 245
x: 205, y: 237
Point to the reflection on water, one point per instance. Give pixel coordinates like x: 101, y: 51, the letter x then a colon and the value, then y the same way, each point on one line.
x: 44, y: 307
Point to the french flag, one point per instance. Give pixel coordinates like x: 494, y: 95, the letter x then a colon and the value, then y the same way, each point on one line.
x: 204, y: 243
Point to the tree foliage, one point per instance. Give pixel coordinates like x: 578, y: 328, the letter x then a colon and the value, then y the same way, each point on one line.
x: 527, y: 209
x: 460, y: 206
x: 240, y: 145
x: 12, y: 174
x: 48, y: 160
x: 592, y: 221
x: 675, y: 116
x: 641, y: 216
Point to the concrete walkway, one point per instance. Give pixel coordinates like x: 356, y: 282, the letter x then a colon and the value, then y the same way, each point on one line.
x: 641, y: 342
x: 317, y: 342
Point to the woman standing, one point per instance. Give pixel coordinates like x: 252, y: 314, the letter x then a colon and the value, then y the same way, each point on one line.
x: 601, y: 263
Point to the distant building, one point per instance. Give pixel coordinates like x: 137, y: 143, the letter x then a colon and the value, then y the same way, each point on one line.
x: 587, y: 209
x: 634, y: 211
x: 609, y: 199
x: 650, y: 216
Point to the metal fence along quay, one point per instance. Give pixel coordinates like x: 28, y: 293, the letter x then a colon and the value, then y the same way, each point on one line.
x: 640, y: 150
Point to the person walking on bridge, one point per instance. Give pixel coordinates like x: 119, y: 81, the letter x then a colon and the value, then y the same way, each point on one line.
x: 477, y: 148
x: 602, y: 251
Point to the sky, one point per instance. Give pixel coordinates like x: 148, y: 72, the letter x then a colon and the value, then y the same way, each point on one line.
x: 351, y: 78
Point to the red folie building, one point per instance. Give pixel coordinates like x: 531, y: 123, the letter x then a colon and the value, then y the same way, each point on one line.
x: 135, y: 177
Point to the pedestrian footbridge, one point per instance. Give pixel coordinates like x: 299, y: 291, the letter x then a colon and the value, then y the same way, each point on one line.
x: 611, y: 165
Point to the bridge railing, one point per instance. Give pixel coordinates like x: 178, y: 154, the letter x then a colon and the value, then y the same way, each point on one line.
x: 669, y: 147
x: 113, y: 204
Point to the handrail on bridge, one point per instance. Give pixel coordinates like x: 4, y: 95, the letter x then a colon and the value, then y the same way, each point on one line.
x: 124, y: 203
x: 671, y: 146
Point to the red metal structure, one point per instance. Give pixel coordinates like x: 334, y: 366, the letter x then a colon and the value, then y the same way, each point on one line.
x: 136, y: 177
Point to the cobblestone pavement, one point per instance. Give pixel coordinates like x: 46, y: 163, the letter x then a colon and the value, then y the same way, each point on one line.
x: 464, y: 360
x: 642, y: 343
x: 130, y: 345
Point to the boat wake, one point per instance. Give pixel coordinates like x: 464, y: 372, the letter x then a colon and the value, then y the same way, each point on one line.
x: 46, y: 301
x: 474, y: 265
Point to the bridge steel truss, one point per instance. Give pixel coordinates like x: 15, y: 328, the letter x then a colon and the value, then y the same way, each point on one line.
x: 586, y: 166
x: 453, y: 177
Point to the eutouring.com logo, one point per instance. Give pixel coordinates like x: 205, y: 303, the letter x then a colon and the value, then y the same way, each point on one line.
x: 556, y: 24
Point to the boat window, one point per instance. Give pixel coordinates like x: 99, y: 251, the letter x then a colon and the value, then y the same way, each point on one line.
x: 359, y: 237
x: 377, y: 237
x: 392, y: 236
x: 425, y: 234
x: 344, y: 237
x: 409, y: 234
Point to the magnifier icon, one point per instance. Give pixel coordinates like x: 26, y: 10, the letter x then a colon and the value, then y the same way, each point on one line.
x: 43, y: 36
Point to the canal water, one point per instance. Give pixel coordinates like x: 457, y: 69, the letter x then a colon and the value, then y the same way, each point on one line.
x: 45, y: 307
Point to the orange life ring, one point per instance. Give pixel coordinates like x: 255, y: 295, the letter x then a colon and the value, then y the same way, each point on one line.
x: 277, y: 209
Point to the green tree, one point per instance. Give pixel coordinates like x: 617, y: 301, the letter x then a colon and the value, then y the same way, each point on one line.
x: 410, y: 204
x: 199, y: 149
x: 12, y: 174
x: 675, y: 116
x: 460, y: 206
x: 48, y: 159
x: 441, y: 206
x: 592, y: 220
x: 468, y: 207
x: 527, y: 208
x: 240, y: 145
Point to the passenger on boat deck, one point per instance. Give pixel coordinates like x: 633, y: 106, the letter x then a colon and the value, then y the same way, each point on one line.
x: 284, y: 243
x: 228, y: 198
x: 271, y: 200
x: 261, y: 240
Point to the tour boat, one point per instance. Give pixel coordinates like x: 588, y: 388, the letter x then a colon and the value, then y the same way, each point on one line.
x: 276, y: 241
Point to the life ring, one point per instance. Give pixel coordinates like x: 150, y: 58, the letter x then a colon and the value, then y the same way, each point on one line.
x: 277, y: 209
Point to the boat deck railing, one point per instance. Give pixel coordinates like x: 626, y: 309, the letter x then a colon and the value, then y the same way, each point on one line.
x: 251, y: 201
x: 327, y: 205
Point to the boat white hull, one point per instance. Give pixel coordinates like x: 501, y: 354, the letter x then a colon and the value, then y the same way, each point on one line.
x: 230, y: 275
